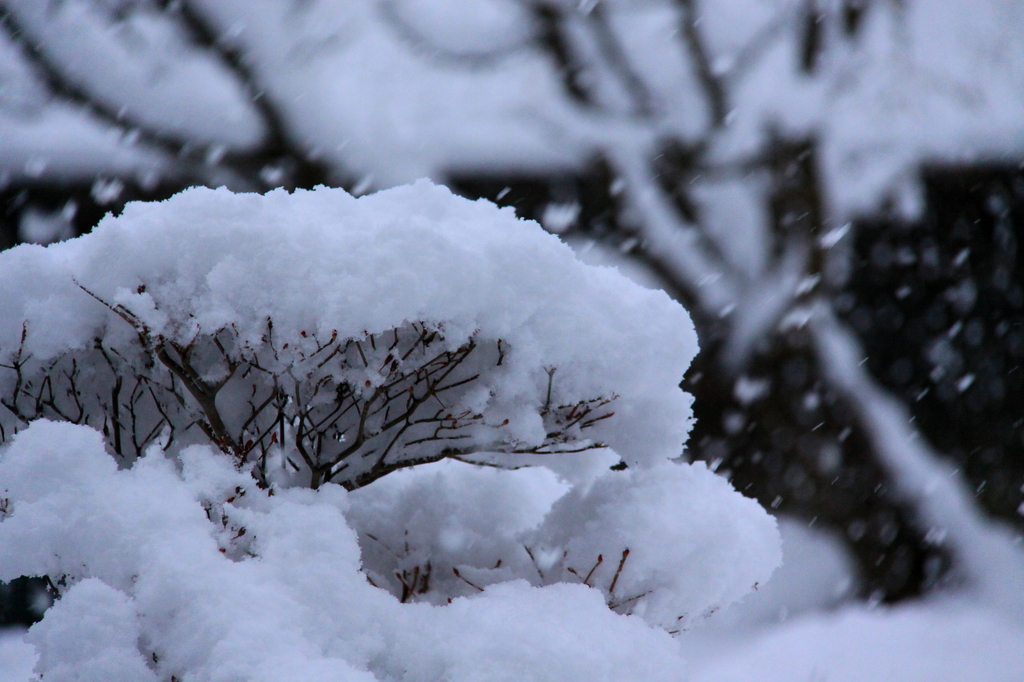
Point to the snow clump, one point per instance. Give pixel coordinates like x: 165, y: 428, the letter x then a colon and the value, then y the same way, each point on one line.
x: 211, y: 546
x: 359, y: 334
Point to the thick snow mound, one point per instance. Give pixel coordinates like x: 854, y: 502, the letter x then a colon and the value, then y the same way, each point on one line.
x: 237, y: 353
x: 188, y: 595
x: 426, y: 523
x: 91, y: 634
x: 377, y: 299
x: 674, y: 543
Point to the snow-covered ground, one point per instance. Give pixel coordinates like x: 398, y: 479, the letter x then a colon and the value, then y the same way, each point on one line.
x: 801, y: 627
x: 932, y: 641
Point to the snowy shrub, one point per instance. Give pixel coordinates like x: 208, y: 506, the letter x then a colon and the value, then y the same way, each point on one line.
x: 672, y: 543
x: 669, y: 543
x: 233, y: 352
x: 356, y: 336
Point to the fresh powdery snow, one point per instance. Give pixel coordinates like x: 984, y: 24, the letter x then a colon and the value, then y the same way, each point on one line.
x: 288, y: 280
x: 242, y: 371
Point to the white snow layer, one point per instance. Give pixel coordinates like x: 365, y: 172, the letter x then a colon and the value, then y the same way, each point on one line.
x: 157, y: 580
x: 181, y: 565
x: 797, y: 628
x: 937, y: 641
x: 320, y: 262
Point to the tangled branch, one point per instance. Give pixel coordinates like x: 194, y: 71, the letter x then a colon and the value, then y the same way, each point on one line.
x: 348, y: 410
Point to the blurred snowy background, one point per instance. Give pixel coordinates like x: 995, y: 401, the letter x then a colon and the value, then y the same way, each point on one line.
x: 833, y: 188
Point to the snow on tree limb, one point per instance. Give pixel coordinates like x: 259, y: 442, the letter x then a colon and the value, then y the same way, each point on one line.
x: 989, y: 559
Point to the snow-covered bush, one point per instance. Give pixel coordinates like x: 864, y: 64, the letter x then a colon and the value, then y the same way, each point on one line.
x: 360, y: 336
x: 233, y: 351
